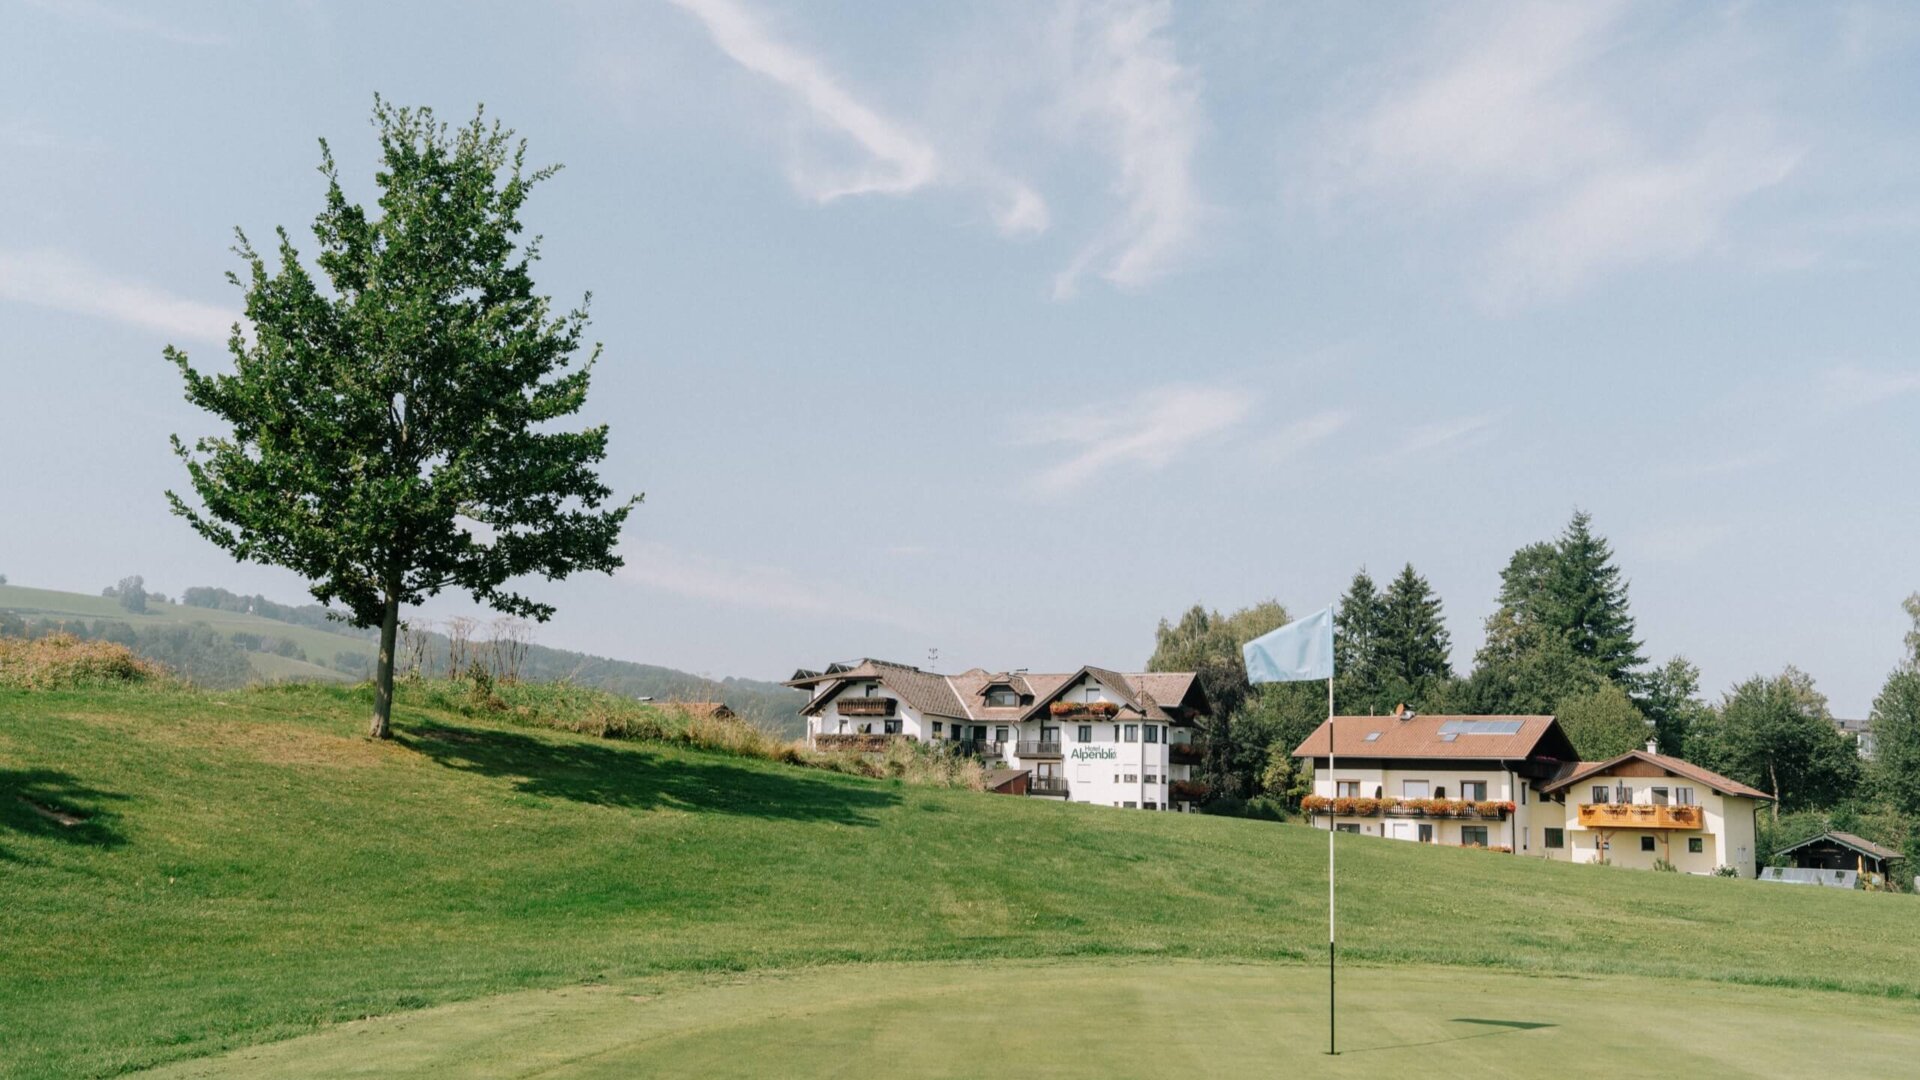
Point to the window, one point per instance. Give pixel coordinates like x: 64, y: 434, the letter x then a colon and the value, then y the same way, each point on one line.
x: 1086, y: 733
x: 1150, y: 806
x: 1414, y: 789
x: 1002, y: 696
x: 1346, y: 789
x: 1132, y: 733
x: 1346, y: 828
x: 1050, y: 734
x: 870, y: 690
x: 1152, y: 733
x: 1696, y: 845
x: 843, y: 725
x: 1646, y: 843
x: 1659, y: 796
x: 1473, y: 790
x: 866, y: 728
x: 1129, y: 806
x: 936, y: 729
x: 1622, y: 794
x: 1152, y: 779
x: 1133, y: 778
x: 1523, y: 794
x: 1091, y: 693
x: 1554, y: 838
x: 1683, y: 796
x: 1439, y: 792
x: 1600, y: 793
x: 893, y: 727
x: 1426, y: 833
x: 1473, y: 836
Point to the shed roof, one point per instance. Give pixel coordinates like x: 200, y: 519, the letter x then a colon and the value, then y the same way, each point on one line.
x: 1844, y: 839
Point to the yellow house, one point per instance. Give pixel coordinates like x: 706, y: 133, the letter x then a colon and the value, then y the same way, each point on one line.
x: 1514, y: 783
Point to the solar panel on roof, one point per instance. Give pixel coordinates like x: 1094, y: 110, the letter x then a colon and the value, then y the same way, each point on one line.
x: 1479, y: 727
x: 1449, y: 736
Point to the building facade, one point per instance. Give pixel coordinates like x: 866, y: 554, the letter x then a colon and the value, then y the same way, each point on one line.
x: 1514, y: 783
x: 1091, y: 736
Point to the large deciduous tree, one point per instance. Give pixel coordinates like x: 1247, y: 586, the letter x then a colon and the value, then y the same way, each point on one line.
x: 1777, y: 735
x: 1208, y: 644
x: 1895, y: 724
x: 396, y: 432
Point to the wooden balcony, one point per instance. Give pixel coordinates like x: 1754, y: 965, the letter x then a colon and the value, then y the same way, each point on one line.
x: 1640, y: 816
x: 1187, y: 753
x: 865, y: 706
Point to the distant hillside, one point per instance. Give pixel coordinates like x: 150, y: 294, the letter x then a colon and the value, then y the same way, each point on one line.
x: 219, y: 638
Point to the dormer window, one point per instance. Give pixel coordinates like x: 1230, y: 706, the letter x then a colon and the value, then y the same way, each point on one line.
x: 871, y: 690
x: 1000, y: 695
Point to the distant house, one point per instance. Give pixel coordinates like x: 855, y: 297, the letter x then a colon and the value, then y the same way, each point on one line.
x: 709, y: 710
x: 1841, y: 851
x: 1860, y: 731
x: 1514, y: 783
x: 1091, y: 736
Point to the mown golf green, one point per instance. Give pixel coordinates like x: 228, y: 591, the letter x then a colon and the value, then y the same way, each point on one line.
x: 188, y: 874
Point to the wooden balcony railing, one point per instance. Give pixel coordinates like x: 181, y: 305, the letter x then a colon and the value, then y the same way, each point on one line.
x: 1187, y: 753
x: 865, y: 706
x: 1640, y: 816
x: 1344, y: 806
x: 1190, y: 790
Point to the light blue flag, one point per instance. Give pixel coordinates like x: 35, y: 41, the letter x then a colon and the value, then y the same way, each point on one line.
x: 1297, y: 652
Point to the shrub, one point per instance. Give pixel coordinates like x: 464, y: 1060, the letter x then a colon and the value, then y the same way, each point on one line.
x: 1665, y: 867
x: 61, y: 661
x: 1726, y: 871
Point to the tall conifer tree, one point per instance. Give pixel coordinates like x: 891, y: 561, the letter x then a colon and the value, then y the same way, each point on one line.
x: 1413, y: 643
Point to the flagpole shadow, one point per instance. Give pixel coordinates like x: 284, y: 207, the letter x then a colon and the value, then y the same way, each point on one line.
x: 1500, y: 1027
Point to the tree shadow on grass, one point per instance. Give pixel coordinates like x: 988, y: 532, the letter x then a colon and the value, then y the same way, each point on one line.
x: 632, y: 777
x: 57, y: 806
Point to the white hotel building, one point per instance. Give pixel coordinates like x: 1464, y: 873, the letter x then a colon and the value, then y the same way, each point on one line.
x: 1091, y: 736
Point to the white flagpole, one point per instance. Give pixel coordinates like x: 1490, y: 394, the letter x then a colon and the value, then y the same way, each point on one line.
x: 1331, y: 1045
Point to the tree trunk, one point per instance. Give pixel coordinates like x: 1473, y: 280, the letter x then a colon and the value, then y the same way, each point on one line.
x: 1775, y: 775
x: 382, y: 726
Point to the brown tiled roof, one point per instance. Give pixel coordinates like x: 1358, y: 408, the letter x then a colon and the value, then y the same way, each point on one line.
x: 1686, y: 769
x: 1860, y: 844
x: 1420, y: 737
x: 962, y: 696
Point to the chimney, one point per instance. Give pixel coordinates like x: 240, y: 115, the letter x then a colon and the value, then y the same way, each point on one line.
x: 1653, y: 746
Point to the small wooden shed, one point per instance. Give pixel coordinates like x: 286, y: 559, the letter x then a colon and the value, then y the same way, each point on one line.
x: 1841, y: 851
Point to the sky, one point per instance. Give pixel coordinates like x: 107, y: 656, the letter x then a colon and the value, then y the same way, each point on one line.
x: 1008, y: 329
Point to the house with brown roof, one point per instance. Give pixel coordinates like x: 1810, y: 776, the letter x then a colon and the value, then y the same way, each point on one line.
x: 1514, y: 783
x: 1092, y: 735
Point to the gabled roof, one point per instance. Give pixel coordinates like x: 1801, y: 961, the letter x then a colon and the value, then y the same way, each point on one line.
x: 1684, y: 769
x: 1846, y: 840
x: 1499, y: 738
x: 963, y: 696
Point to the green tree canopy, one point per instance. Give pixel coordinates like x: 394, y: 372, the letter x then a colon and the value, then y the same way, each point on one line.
x: 1777, y: 735
x: 395, y: 432
x: 1603, y: 723
x: 1208, y: 644
x: 1358, y: 678
x: 1672, y: 701
x: 1895, y: 724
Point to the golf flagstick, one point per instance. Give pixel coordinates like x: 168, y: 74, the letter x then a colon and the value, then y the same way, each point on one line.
x: 1332, y: 1046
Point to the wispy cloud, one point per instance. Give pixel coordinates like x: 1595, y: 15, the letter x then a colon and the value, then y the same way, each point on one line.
x: 1849, y: 386
x: 1128, y: 85
x: 1518, y: 116
x: 896, y: 160
x: 1298, y: 437
x: 1727, y: 465
x: 763, y: 588
x: 1150, y: 429
x: 1439, y: 437
x: 53, y: 279
x: 1676, y: 542
x: 120, y: 19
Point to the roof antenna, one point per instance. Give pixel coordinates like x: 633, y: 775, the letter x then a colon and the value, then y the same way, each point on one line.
x: 933, y: 658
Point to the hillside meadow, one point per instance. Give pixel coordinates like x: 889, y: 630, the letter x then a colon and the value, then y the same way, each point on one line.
x: 186, y: 872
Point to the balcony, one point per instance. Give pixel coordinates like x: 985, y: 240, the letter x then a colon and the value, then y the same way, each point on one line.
x: 1103, y: 710
x: 1640, y: 816
x: 1190, y: 790
x: 1344, y: 806
x: 859, y: 744
x: 981, y: 748
x: 1187, y: 753
x: 1047, y: 785
x: 865, y: 706
x: 1027, y: 749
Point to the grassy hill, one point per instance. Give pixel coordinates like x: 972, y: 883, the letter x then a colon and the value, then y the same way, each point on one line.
x: 768, y: 703
x: 185, y: 872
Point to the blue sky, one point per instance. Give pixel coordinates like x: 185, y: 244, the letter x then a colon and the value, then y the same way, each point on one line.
x: 1009, y: 328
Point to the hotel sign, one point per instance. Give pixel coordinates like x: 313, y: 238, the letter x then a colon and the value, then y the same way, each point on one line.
x: 1094, y: 753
